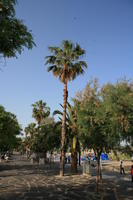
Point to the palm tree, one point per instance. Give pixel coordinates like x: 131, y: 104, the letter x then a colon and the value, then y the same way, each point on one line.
x: 40, y: 111
x: 72, y: 133
x: 30, y: 131
x: 65, y: 63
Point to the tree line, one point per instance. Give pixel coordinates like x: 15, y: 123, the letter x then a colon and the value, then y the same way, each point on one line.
x: 100, y: 118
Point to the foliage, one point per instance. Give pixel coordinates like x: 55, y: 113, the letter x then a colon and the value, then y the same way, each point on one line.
x: 65, y: 63
x: 30, y: 129
x: 105, y: 115
x: 40, y: 111
x: 119, y: 99
x: 9, y: 130
x: 47, y: 137
x: 72, y: 133
x: 44, y: 136
x: 14, y: 35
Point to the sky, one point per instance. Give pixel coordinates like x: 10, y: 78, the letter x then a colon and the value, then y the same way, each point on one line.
x: 104, y: 28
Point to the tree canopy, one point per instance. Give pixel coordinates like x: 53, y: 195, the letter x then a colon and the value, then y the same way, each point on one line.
x: 14, y: 34
x: 9, y: 130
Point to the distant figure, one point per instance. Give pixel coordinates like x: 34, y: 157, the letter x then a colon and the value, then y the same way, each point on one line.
x: 132, y: 173
x: 122, y: 171
x: 6, y: 157
x: 69, y: 159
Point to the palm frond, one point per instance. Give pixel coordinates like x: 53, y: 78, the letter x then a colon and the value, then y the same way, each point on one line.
x: 50, y: 59
x: 55, y: 50
x: 64, y: 62
x: 57, y: 112
x: 50, y: 68
x: 83, y: 64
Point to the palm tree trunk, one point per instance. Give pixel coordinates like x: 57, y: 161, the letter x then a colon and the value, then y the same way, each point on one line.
x: 79, y: 157
x: 74, y: 162
x: 63, y: 132
x: 74, y: 155
x: 98, y: 171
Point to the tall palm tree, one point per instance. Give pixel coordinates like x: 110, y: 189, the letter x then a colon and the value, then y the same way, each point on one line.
x: 65, y: 63
x: 40, y: 111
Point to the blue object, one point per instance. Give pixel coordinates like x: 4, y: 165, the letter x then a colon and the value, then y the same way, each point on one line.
x: 104, y: 156
x: 83, y: 158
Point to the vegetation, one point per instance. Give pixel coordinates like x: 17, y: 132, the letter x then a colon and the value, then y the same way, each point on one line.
x: 14, y: 35
x: 40, y: 111
x: 9, y: 130
x: 43, y: 136
x: 65, y: 64
x: 72, y: 141
x: 104, y: 116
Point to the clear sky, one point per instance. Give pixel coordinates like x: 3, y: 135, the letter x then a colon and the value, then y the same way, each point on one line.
x: 104, y: 28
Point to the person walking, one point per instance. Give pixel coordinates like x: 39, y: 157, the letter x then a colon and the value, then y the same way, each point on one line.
x: 132, y: 173
x: 122, y: 171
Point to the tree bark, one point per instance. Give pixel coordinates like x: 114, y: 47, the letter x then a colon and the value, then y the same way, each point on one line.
x: 74, y: 162
x: 98, y: 170
x: 45, y: 157
x: 63, y: 132
x: 79, y: 158
x: 74, y: 155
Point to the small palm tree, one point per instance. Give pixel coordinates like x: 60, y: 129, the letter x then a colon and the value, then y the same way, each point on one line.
x: 40, y: 111
x: 30, y: 129
x: 30, y: 132
x: 72, y: 133
x: 65, y: 63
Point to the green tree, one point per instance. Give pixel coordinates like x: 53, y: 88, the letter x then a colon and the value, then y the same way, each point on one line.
x: 65, y: 63
x: 14, y: 35
x: 40, y: 111
x: 99, y: 130
x: 30, y: 129
x: 47, y: 137
x: 30, y: 132
x: 9, y: 130
x: 119, y: 101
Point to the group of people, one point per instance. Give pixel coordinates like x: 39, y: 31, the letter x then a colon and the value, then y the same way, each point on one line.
x: 122, y: 171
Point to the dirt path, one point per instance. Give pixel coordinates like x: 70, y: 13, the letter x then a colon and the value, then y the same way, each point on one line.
x: 20, y: 180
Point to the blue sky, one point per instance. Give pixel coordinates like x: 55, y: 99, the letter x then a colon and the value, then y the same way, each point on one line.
x: 104, y: 28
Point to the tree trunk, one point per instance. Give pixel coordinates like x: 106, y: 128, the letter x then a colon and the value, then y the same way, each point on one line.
x: 74, y: 155
x: 74, y: 162
x: 98, y: 170
x: 45, y: 157
x: 79, y: 157
x: 63, y: 132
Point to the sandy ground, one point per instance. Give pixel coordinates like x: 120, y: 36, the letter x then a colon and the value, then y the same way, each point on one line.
x: 21, y: 180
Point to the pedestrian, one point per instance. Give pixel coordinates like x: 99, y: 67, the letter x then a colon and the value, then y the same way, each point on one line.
x: 69, y: 159
x: 122, y: 171
x: 132, y: 173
